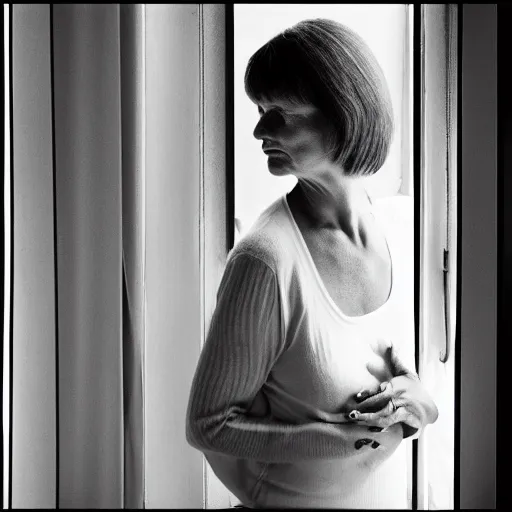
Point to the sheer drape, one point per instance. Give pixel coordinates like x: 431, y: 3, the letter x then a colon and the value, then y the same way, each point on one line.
x: 113, y: 104
x: 77, y: 301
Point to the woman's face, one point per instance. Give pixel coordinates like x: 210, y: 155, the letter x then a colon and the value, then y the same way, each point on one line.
x: 295, y: 137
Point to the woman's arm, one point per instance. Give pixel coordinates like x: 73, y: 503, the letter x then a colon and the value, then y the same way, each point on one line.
x: 244, y: 341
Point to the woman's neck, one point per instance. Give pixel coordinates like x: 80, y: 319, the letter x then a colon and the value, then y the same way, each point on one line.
x: 335, y: 203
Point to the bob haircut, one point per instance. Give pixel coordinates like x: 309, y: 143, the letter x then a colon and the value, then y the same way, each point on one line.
x: 324, y: 63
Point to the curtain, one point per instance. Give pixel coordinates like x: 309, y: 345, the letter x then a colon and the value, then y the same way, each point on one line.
x: 77, y: 297
x: 121, y: 218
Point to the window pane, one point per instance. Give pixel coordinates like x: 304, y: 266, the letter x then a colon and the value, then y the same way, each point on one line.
x: 387, y: 30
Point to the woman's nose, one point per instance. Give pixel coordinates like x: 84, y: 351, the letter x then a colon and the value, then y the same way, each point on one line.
x: 259, y: 130
x: 268, y: 125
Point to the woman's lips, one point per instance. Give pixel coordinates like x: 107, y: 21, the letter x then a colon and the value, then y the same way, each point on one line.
x: 273, y: 152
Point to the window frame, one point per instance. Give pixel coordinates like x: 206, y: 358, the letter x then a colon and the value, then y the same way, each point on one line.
x: 463, y: 487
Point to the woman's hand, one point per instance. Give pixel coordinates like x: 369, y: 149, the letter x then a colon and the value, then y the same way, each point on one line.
x: 402, y: 399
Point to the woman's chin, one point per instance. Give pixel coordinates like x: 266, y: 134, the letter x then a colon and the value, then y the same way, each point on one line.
x: 278, y: 168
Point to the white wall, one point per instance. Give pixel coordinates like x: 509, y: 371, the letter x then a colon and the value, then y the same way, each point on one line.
x: 173, y: 469
x: 186, y: 237
x: 381, y: 26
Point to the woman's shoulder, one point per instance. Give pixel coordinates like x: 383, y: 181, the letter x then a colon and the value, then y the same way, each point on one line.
x: 268, y: 238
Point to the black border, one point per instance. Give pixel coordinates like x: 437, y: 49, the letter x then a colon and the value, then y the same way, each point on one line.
x: 55, y: 259
x: 230, y: 128
x: 417, y: 146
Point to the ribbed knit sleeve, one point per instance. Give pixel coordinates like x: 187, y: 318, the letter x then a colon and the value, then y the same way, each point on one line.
x: 244, y: 341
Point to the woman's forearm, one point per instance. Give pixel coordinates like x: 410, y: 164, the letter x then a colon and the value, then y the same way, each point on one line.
x: 268, y: 440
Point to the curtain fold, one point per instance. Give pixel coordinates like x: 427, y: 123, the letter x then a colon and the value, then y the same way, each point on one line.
x: 133, y: 191
x: 78, y: 296
x: 87, y: 130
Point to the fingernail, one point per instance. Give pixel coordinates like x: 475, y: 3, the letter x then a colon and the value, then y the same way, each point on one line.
x: 361, y: 442
x: 383, y: 386
x: 375, y: 444
x: 362, y: 395
x: 375, y: 429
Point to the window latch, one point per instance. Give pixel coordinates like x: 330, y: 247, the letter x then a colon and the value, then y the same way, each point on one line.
x: 447, y: 320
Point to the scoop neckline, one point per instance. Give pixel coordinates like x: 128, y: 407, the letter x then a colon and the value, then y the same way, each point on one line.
x: 322, y: 288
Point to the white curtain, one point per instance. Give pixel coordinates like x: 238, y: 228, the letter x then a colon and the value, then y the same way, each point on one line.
x: 119, y: 242
x: 77, y: 298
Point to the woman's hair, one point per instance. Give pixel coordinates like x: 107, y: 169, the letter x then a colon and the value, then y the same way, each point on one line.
x: 324, y: 63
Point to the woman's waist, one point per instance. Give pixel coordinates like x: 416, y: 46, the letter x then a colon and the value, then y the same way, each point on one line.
x: 330, y: 482
x: 314, y: 482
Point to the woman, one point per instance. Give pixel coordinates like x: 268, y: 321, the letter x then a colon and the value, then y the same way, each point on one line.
x: 300, y: 398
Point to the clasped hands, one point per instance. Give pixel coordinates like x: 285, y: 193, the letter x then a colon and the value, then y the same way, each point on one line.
x: 402, y: 399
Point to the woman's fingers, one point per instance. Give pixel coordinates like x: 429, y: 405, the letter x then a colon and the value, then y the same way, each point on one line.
x: 384, y: 418
x: 340, y: 417
x: 376, y: 401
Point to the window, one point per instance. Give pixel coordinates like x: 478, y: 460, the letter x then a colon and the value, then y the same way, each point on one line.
x: 388, y: 30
